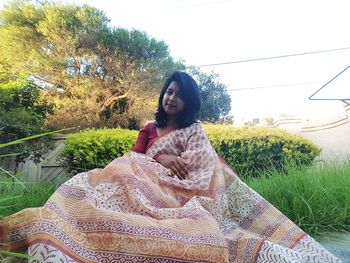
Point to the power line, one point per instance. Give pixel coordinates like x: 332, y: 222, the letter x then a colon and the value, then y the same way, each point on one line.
x: 201, y: 4
x: 275, y: 86
x: 274, y: 57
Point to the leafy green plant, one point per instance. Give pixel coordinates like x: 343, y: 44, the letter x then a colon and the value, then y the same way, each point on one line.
x: 23, y: 112
x: 4, y: 254
x: 95, y: 148
x: 252, y: 150
x: 248, y: 150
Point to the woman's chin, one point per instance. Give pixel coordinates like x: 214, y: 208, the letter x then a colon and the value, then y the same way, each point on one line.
x: 172, y: 111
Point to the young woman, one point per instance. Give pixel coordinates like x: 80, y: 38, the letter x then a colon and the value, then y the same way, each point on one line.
x: 178, y: 107
x: 171, y: 199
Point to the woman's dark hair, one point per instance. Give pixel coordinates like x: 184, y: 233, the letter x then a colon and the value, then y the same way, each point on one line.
x: 190, y: 95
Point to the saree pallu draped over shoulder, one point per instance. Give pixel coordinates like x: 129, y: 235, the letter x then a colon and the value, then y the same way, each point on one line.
x: 133, y: 211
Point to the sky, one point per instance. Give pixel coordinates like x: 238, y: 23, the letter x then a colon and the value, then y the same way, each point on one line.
x: 260, y: 44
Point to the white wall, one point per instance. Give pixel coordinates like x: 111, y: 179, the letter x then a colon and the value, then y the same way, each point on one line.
x: 332, y: 134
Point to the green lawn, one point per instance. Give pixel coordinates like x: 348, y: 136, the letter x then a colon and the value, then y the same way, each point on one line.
x: 317, y: 199
x: 15, y: 196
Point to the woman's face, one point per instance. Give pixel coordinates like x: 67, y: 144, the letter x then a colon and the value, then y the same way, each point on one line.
x: 172, y: 101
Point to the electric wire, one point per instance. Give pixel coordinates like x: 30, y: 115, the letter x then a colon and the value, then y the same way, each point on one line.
x: 274, y: 86
x: 272, y: 57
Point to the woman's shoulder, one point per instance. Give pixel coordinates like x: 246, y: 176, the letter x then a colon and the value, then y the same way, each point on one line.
x: 150, y: 122
x: 149, y: 125
x: 195, y: 127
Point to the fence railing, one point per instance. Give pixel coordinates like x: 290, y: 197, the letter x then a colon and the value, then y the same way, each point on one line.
x: 47, y: 169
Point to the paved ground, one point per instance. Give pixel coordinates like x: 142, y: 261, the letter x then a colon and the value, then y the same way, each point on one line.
x: 338, y: 244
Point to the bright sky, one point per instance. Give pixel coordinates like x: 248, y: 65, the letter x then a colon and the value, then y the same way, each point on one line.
x: 216, y: 31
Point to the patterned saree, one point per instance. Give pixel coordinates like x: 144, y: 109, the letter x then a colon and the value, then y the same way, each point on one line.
x: 134, y: 211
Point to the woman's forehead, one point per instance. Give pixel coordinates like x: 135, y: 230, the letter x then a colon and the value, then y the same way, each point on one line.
x: 173, y: 85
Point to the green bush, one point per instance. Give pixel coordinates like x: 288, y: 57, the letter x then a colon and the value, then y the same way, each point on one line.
x: 252, y: 150
x: 248, y: 150
x: 23, y: 111
x: 95, y: 148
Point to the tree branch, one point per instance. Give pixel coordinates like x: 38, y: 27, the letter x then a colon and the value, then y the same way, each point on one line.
x: 113, y: 99
x: 44, y: 80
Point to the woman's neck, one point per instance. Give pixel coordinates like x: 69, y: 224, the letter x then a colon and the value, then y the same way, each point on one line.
x: 171, y: 123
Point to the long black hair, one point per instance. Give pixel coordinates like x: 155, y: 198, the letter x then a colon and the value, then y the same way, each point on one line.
x: 190, y: 95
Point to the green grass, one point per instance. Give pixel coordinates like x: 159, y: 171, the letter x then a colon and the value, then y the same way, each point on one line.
x: 316, y: 199
x: 17, y: 196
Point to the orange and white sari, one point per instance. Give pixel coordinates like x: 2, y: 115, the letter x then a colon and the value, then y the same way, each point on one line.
x: 133, y: 211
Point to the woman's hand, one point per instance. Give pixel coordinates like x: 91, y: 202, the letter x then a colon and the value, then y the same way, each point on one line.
x: 175, y: 164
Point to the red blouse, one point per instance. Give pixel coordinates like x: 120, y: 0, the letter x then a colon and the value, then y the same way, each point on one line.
x: 145, y: 138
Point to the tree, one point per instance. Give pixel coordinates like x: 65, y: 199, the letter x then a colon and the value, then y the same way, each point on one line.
x: 216, y: 102
x: 97, y: 75
x: 22, y: 114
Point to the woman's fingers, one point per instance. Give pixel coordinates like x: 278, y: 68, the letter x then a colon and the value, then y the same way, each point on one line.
x: 182, y: 166
x: 175, y: 169
x: 179, y: 169
x: 175, y: 164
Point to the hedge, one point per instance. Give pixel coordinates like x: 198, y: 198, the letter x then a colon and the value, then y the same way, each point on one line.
x: 248, y: 150
x: 92, y: 148
x: 253, y: 150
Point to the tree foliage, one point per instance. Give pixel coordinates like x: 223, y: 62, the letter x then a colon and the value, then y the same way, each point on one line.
x: 103, y: 74
x: 216, y: 102
x: 22, y: 113
x: 95, y: 74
